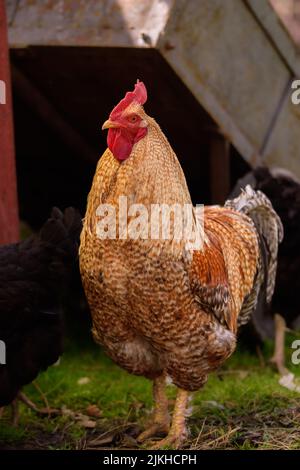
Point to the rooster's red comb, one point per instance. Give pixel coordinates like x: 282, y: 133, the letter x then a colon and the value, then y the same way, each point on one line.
x: 139, y: 94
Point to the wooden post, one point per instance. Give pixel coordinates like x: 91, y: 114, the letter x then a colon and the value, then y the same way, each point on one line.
x: 219, y: 168
x: 9, y: 223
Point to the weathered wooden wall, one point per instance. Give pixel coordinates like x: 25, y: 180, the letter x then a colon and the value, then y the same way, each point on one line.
x: 9, y: 226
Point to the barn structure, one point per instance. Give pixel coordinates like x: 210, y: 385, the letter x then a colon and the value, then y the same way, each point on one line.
x: 218, y: 74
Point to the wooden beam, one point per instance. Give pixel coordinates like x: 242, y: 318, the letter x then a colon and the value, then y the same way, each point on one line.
x: 45, y: 110
x: 219, y: 168
x: 9, y: 221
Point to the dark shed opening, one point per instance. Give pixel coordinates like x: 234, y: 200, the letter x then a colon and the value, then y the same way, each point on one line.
x: 61, y: 97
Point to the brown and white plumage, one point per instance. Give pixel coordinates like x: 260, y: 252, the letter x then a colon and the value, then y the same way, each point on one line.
x: 159, y: 309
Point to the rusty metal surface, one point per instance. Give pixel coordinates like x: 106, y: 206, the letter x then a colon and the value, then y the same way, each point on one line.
x: 289, y: 12
x: 284, y: 145
x: 87, y: 23
x: 277, y: 33
x: 228, y: 62
x: 9, y: 227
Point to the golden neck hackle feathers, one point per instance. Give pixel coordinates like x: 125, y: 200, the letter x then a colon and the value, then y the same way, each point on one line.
x: 154, y: 164
x: 151, y: 175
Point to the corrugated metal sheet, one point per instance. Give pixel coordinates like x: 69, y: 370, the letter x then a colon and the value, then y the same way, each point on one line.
x: 101, y: 23
x: 235, y: 56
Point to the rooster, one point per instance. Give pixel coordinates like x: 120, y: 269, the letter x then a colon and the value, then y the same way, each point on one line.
x: 35, y: 278
x: 159, y: 308
x: 283, y: 190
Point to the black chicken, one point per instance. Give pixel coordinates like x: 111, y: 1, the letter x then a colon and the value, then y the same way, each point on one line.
x: 283, y: 190
x: 35, y: 277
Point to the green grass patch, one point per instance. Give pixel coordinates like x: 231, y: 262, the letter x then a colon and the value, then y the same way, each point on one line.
x: 242, y: 406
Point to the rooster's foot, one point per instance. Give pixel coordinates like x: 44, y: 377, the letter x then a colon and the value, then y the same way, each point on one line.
x: 174, y: 440
x: 178, y: 431
x: 156, y: 429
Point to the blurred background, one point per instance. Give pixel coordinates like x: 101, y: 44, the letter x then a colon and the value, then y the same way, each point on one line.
x: 219, y: 76
x: 71, y: 61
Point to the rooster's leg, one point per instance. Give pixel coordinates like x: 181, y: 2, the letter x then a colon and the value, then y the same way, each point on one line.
x: 278, y: 356
x: 178, y: 431
x: 161, y: 420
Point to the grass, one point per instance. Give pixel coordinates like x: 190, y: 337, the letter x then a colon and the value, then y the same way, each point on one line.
x: 241, y: 407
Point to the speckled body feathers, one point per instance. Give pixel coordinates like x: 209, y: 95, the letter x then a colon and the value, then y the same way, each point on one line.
x: 157, y: 307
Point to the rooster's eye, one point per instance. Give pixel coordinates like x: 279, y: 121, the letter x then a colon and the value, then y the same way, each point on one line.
x: 133, y: 118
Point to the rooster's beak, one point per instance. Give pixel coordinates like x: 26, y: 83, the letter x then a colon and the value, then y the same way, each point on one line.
x: 108, y: 125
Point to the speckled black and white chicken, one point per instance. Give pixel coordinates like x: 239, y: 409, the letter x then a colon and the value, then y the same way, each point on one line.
x: 283, y: 190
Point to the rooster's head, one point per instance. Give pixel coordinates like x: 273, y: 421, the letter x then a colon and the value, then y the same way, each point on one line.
x: 127, y: 124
